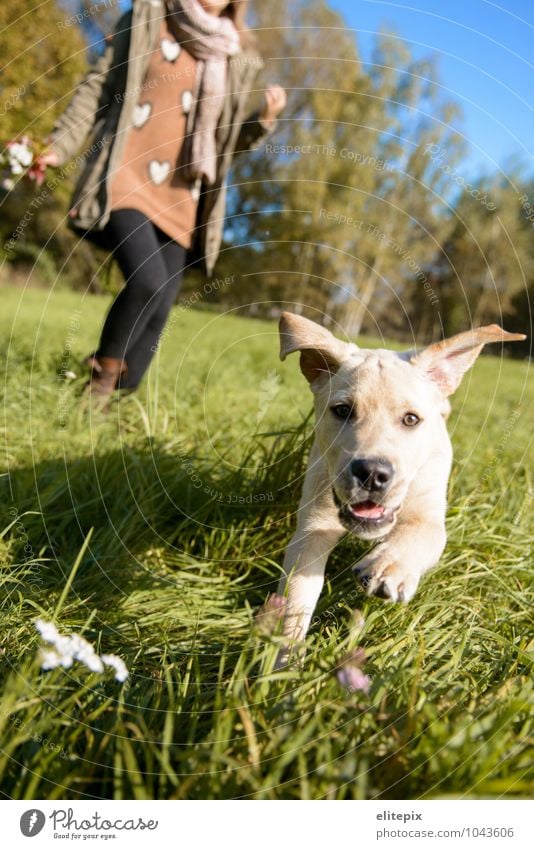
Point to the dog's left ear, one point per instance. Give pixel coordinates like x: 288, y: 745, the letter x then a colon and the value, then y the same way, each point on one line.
x: 320, y: 352
x: 446, y: 362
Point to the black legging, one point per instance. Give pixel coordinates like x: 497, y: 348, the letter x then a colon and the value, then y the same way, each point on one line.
x: 152, y: 265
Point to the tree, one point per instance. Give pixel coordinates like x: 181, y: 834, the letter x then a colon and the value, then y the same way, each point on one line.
x: 42, y: 60
x: 487, y: 265
x: 405, y: 213
x: 355, y: 203
x: 38, y: 79
x: 280, y: 191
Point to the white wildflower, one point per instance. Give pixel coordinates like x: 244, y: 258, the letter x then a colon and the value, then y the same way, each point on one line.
x: 52, y: 659
x: 68, y: 649
x: 19, y: 155
x: 26, y: 157
x: 85, y: 653
x: 117, y: 663
x: 15, y: 159
x: 47, y: 630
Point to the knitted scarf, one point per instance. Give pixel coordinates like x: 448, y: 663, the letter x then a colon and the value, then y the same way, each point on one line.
x: 210, y: 40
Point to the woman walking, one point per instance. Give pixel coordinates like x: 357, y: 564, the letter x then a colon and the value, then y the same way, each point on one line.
x: 166, y: 110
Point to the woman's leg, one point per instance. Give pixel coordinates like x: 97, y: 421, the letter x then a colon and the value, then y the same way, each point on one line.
x: 140, y: 353
x: 137, y: 249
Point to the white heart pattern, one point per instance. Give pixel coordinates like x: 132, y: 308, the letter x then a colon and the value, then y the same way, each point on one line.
x: 158, y: 171
x: 187, y: 101
x: 195, y: 189
x: 170, y: 49
x: 141, y: 114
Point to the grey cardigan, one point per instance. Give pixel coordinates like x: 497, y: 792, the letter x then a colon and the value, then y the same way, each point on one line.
x: 102, y: 109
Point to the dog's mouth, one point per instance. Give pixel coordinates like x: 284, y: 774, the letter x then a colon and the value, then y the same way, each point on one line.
x: 369, y: 511
x: 364, y: 515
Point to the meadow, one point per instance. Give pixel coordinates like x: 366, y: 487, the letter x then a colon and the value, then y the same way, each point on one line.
x: 158, y: 531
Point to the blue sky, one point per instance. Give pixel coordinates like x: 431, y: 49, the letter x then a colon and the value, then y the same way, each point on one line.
x: 485, y: 57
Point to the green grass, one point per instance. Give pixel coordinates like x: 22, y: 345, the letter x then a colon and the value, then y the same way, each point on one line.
x: 132, y: 531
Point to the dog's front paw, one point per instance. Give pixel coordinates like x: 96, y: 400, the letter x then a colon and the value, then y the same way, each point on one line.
x: 384, y: 578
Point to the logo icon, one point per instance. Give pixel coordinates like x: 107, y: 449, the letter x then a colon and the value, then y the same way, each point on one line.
x: 32, y: 822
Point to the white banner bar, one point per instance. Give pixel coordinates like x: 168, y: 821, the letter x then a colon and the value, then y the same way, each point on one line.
x: 270, y: 825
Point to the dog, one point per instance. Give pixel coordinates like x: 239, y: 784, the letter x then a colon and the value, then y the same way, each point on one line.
x: 379, y: 464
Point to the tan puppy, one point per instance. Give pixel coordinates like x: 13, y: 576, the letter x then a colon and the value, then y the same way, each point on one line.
x: 379, y: 464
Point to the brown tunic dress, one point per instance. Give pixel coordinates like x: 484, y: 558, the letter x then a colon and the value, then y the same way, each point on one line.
x: 149, y: 177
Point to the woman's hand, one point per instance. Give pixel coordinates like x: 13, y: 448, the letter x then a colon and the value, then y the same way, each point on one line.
x: 47, y: 157
x: 37, y: 170
x: 275, y: 101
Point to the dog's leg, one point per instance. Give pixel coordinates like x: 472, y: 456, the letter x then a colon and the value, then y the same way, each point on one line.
x: 304, y: 566
x: 318, y: 531
x: 392, y: 570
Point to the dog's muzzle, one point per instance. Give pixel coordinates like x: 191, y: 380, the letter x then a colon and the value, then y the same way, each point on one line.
x: 364, y: 517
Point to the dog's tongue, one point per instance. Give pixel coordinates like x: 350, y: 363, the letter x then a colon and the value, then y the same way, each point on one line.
x: 367, y: 510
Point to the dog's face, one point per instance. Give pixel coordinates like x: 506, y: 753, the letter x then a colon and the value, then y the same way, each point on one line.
x: 378, y: 422
x: 380, y: 415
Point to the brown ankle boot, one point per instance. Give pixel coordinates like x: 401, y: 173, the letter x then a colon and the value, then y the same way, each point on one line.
x: 104, y: 378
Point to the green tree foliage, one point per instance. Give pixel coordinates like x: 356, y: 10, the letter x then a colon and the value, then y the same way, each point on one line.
x: 405, y: 213
x: 345, y: 196
x: 282, y: 189
x: 357, y: 209
x: 44, y: 59
x: 486, y: 268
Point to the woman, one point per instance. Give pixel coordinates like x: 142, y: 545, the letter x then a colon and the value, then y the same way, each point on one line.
x: 165, y: 107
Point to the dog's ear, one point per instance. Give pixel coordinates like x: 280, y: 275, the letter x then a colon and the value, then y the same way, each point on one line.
x: 320, y: 352
x: 446, y: 362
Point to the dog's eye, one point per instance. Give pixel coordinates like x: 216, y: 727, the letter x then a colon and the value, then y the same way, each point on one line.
x: 342, y: 411
x: 410, y: 419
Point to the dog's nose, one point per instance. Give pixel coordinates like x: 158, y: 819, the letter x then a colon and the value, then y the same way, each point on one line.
x: 373, y: 474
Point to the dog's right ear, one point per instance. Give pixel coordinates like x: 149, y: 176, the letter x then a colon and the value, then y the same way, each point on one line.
x: 320, y: 352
